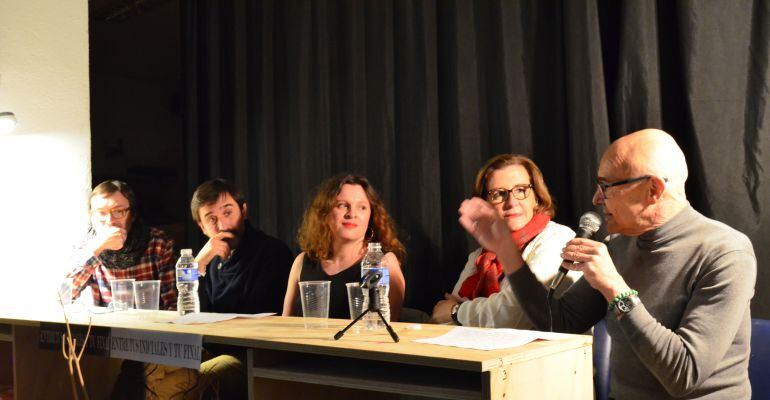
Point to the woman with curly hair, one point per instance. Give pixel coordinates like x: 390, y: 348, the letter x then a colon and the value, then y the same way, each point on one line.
x: 344, y: 216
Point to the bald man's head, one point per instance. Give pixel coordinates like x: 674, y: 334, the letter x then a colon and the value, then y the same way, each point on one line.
x: 649, y: 172
x: 650, y: 152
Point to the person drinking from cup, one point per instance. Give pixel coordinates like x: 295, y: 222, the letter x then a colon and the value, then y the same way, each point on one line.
x: 344, y: 216
x: 120, y: 245
x: 514, y: 186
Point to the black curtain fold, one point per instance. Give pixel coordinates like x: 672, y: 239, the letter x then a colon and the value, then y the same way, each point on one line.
x: 416, y: 95
x: 757, y: 114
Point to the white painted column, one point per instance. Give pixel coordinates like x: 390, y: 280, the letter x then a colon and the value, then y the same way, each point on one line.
x: 45, y: 164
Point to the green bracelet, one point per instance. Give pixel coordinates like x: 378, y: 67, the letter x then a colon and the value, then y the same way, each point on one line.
x: 623, y: 295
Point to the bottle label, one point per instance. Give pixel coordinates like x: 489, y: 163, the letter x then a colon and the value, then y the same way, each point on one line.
x: 187, y: 274
x: 385, y: 280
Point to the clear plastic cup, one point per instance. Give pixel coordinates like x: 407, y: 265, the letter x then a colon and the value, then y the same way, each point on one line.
x: 64, y: 292
x: 315, y: 303
x: 147, y: 295
x: 355, y: 303
x: 122, y: 294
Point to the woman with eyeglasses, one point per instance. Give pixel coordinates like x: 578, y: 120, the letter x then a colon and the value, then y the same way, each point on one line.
x: 344, y: 216
x: 514, y: 185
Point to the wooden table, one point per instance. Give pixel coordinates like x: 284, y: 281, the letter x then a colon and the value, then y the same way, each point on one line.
x: 285, y: 358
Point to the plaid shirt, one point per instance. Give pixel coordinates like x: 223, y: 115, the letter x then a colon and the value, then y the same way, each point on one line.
x: 156, y: 263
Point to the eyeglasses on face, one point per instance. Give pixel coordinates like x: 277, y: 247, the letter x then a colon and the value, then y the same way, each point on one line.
x: 603, y: 186
x: 115, y: 213
x: 499, y: 195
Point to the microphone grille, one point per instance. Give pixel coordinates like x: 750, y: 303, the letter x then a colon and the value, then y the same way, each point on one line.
x: 590, y: 222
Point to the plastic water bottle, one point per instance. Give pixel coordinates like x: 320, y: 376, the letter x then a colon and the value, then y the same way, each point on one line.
x: 187, y: 284
x: 373, y: 261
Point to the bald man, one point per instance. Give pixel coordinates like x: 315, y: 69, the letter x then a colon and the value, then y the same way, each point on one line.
x: 673, y: 286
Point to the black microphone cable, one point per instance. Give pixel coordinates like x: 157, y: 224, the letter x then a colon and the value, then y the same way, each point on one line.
x: 548, y: 298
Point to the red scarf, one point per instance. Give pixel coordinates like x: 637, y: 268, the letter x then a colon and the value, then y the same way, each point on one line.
x: 489, y: 271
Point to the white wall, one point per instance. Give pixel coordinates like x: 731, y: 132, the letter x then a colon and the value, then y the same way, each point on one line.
x: 45, y: 167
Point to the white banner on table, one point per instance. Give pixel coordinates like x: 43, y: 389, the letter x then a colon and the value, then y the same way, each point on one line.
x: 168, y: 348
x: 489, y: 339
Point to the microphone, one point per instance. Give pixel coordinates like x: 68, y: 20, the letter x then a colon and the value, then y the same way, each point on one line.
x: 590, y: 222
x: 371, y: 278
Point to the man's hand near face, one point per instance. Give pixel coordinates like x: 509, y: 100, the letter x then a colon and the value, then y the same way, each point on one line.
x: 218, y: 245
x: 109, y: 238
x: 480, y: 219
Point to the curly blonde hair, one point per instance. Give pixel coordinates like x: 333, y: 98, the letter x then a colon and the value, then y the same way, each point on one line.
x: 315, y: 236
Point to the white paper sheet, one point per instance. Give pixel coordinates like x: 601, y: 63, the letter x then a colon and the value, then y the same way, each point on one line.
x: 489, y: 339
x: 210, y: 318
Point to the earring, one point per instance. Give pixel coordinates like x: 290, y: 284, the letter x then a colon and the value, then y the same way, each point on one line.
x: 368, y: 238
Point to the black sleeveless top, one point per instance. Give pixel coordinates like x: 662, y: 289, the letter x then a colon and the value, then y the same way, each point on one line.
x: 338, y: 293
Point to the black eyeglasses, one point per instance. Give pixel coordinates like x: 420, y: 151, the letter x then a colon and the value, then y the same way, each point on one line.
x: 519, y: 192
x: 117, y: 213
x: 603, y: 186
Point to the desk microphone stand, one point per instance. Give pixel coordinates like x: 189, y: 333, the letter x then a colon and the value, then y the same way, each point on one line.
x: 369, y: 282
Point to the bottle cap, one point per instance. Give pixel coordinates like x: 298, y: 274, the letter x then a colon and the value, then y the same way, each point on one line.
x: 186, y: 252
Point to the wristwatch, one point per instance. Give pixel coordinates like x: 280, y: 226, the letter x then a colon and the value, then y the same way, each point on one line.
x: 625, y: 304
x: 455, y: 308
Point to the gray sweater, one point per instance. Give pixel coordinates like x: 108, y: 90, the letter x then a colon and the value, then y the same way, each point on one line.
x: 689, y: 337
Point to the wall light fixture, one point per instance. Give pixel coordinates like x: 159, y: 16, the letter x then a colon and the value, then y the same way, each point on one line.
x: 7, y: 122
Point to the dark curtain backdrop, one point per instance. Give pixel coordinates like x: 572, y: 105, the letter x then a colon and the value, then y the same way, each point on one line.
x: 416, y: 95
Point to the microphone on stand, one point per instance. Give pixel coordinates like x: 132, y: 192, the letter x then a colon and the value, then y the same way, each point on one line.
x: 369, y: 282
x: 590, y: 222
x: 370, y: 279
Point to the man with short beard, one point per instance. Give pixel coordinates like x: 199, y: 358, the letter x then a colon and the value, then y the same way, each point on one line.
x: 244, y: 270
